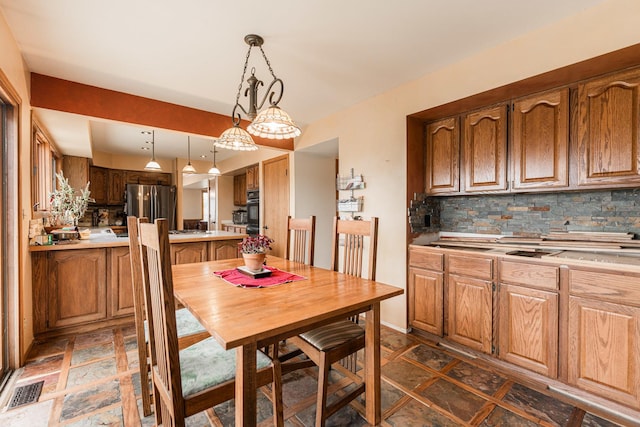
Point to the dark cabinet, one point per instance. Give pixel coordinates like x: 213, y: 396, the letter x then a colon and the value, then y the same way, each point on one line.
x: 98, y: 186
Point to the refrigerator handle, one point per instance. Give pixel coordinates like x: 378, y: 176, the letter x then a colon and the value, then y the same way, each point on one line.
x: 154, y: 199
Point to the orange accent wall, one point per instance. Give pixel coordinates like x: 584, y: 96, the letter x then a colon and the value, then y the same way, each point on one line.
x: 72, y: 97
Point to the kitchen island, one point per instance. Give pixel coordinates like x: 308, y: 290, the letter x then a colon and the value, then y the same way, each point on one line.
x: 82, y: 285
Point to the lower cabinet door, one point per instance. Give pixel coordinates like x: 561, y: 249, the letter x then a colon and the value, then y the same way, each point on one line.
x: 119, y: 279
x: 528, y: 328
x: 470, y: 312
x: 604, y: 349
x: 77, y: 287
x: 426, y: 310
x: 185, y: 253
x: 223, y: 249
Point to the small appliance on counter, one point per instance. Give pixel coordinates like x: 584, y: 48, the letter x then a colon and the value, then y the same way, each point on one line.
x: 239, y: 216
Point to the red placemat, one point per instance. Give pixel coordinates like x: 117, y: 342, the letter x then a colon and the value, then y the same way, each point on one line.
x: 277, y: 277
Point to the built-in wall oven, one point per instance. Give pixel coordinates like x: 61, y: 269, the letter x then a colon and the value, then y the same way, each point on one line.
x: 253, y: 212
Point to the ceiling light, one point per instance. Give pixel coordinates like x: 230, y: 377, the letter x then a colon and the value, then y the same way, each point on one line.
x: 272, y: 123
x: 189, y: 169
x: 152, y: 165
x: 214, y: 169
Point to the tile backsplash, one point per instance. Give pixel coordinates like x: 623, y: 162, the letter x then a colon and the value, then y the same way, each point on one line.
x: 527, y: 214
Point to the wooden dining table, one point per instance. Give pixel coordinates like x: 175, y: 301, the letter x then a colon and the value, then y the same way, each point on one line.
x: 246, y: 319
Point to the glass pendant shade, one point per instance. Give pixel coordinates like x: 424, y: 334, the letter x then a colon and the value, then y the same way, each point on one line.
x: 274, y: 123
x: 188, y: 168
x: 214, y: 171
x: 152, y: 166
x: 236, y: 138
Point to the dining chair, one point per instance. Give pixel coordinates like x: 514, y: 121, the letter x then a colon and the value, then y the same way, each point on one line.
x: 301, y: 235
x: 340, y: 341
x: 190, y: 330
x: 198, y: 377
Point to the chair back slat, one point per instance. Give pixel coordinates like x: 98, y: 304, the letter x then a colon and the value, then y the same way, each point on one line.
x: 300, y: 239
x: 353, y: 234
x: 156, y: 260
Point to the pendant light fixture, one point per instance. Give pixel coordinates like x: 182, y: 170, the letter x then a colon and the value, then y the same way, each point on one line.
x: 272, y: 123
x: 214, y: 169
x: 153, y: 165
x: 188, y: 169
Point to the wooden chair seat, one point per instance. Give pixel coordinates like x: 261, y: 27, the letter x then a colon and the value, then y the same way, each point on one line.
x: 330, y: 336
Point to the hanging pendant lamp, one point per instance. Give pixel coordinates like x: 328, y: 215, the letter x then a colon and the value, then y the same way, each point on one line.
x: 272, y: 123
x: 189, y: 169
x: 214, y: 169
x: 153, y: 165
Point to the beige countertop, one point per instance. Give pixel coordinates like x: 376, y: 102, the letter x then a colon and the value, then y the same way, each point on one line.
x: 105, y: 238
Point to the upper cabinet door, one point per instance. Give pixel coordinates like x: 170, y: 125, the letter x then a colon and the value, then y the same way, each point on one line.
x: 540, y: 141
x: 443, y: 157
x: 485, y: 150
x: 608, y: 130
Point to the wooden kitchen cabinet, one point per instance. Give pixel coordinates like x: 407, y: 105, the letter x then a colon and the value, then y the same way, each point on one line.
x: 119, y: 282
x: 443, y: 157
x: 528, y: 307
x: 98, y: 186
x: 604, y: 334
x: 485, y: 149
x: 76, y: 170
x: 77, y: 287
x: 116, y: 186
x: 224, y: 249
x: 608, y: 130
x: 148, y: 178
x: 185, y: 253
x: 253, y: 178
x: 240, y: 190
x: 470, y: 301
x: 540, y: 141
x: 426, y: 290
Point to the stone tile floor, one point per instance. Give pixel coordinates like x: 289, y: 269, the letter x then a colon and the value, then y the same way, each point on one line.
x: 92, y: 379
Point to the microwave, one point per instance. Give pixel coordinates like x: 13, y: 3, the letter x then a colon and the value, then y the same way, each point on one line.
x: 239, y: 216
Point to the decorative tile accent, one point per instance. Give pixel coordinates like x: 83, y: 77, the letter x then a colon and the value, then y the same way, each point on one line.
x: 528, y: 214
x: 42, y: 366
x: 429, y: 356
x: 91, y: 372
x: 112, y: 417
x: 539, y: 405
x: 81, y: 355
x: 416, y: 414
x: 93, y: 338
x: 453, y: 399
x: 91, y: 399
x: 500, y: 417
x: 482, y: 380
x: 406, y: 374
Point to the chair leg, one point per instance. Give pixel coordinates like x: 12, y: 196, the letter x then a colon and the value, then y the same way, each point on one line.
x: 323, y: 383
x: 143, y: 364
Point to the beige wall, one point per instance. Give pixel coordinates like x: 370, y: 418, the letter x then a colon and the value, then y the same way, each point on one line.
x: 13, y: 68
x: 372, y: 134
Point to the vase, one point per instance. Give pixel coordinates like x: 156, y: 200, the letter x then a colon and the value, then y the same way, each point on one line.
x: 254, y: 262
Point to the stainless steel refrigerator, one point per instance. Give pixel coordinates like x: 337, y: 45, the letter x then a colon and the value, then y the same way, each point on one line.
x: 152, y: 201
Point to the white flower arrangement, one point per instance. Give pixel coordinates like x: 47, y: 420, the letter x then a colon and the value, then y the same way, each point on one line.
x: 65, y: 205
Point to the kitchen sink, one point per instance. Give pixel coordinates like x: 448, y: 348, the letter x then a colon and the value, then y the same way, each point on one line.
x: 530, y: 254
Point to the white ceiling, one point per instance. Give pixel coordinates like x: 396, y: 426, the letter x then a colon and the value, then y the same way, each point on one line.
x: 330, y: 54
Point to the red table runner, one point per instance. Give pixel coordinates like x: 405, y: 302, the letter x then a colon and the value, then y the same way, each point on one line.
x: 277, y: 277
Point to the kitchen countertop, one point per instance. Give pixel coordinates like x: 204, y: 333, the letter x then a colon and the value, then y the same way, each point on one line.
x: 105, y: 238
x: 622, y: 259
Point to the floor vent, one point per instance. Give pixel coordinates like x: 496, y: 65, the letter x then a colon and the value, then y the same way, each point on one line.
x: 26, y: 394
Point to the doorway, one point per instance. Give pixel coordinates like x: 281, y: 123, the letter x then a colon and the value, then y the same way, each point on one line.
x: 10, y: 350
x: 276, y: 202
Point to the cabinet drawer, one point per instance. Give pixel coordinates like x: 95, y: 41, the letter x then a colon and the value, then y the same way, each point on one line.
x: 481, y: 268
x: 539, y: 276
x: 624, y: 288
x: 424, y: 259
